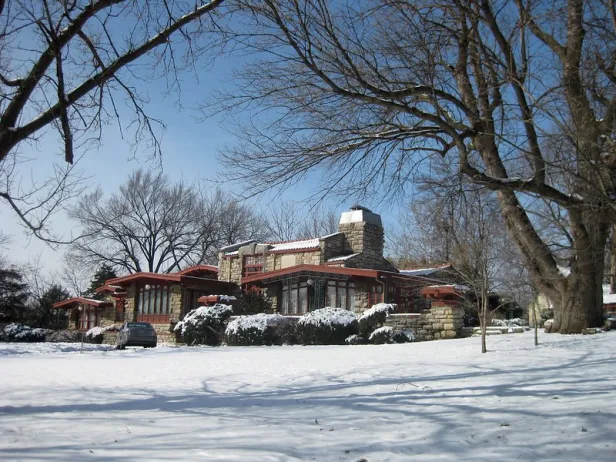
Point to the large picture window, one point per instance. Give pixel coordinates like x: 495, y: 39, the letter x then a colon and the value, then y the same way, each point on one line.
x: 153, y: 300
x: 341, y: 294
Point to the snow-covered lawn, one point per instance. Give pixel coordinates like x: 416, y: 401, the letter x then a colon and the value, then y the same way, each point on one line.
x: 438, y: 400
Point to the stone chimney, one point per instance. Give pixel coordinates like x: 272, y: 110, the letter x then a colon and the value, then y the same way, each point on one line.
x: 364, y: 234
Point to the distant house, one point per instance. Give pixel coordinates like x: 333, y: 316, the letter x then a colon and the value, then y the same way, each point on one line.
x: 160, y: 299
x: 346, y: 269
x: 609, y: 299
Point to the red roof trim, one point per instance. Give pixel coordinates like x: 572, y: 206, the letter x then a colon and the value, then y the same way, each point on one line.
x: 314, y: 268
x: 173, y: 277
x: 194, y: 268
x: 83, y: 301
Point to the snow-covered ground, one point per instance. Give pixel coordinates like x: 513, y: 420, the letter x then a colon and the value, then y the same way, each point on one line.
x: 427, y: 401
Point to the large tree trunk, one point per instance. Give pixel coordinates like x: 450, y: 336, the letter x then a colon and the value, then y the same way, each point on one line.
x: 581, y: 304
x: 613, y: 261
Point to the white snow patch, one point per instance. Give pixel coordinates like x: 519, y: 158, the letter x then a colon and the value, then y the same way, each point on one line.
x: 608, y: 298
x: 389, y: 331
x: 328, y: 316
x: 260, y: 322
x: 295, y: 245
x: 425, y: 401
x: 386, y: 308
x: 196, y: 316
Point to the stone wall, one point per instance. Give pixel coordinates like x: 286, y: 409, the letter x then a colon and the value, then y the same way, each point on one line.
x: 439, y: 322
x: 229, y: 269
x: 334, y: 245
x: 367, y: 240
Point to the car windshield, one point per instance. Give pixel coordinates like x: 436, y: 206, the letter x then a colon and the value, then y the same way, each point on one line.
x: 139, y: 325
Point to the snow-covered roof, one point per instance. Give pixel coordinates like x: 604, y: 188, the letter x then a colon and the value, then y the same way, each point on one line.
x: 608, y: 298
x: 455, y: 286
x: 424, y: 271
x: 342, y: 258
x: 331, y: 235
x: 295, y: 245
x: 237, y: 245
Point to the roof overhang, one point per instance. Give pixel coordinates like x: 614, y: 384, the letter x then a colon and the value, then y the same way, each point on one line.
x: 72, y: 302
x: 144, y: 277
x: 311, y: 269
x: 197, y: 269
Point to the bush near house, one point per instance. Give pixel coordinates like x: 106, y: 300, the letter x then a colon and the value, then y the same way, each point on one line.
x: 327, y: 326
x: 96, y: 334
x: 374, y: 318
x: 382, y: 335
x: 355, y: 339
x: 260, y: 329
x: 205, y: 325
x: 16, y: 332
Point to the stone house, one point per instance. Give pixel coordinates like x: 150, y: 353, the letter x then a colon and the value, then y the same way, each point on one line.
x: 346, y: 269
x: 160, y: 299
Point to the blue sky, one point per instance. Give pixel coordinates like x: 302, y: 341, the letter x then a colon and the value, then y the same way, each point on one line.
x: 190, y: 147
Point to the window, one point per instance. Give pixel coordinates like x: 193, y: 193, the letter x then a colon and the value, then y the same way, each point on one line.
x: 341, y: 294
x: 295, y: 298
x: 153, y: 300
x: 408, y: 299
x: 253, y: 264
x: 88, y: 318
x: 375, y: 295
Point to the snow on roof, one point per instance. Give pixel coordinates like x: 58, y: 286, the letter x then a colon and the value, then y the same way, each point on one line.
x: 608, y: 298
x: 237, y: 245
x: 331, y: 235
x: 295, y: 245
x: 424, y: 271
x: 342, y: 258
x: 455, y: 286
x: 231, y: 254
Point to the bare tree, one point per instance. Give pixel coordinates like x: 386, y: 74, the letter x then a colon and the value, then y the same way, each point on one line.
x: 68, y: 68
x: 290, y: 220
x: 153, y: 225
x: 371, y: 92
x: 462, y: 226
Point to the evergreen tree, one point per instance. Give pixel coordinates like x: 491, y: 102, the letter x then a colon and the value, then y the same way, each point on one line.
x: 44, y: 315
x: 103, y: 273
x: 13, y: 295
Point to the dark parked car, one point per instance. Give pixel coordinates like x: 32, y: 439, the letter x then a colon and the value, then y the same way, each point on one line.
x: 136, y: 334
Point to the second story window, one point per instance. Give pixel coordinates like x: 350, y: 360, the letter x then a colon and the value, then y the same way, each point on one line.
x: 253, y: 264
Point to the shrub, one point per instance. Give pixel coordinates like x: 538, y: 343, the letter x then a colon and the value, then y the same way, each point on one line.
x: 63, y: 336
x: 204, y: 325
x: 327, y: 326
x: 96, y: 334
x: 16, y: 332
x: 259, y: 329
x: 355, y: 340
x: 382, y: 335
x: 253, y: 302
x: 374, y: 317
x: 508, y: 322
x: 404, y: 336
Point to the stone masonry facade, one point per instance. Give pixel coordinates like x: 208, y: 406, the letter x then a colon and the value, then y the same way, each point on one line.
x: 441, y: 321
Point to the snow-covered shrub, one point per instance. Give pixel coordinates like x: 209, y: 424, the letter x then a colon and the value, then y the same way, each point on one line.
x: 515, y: 322
x: 96, y: 334
x: 327, y: 326
x: 374, y: 317
x: 382, y: 335
x: 404, y: 336
x: 355, y: 340
x: 259, y: 329
x: 16, y: 332
x: 548, y: 325
x: 204, y: 325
